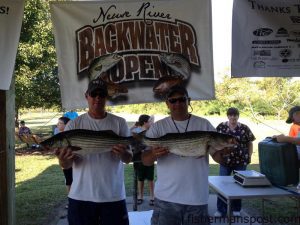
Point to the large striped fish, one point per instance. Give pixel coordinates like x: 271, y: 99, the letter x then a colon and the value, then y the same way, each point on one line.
x: 102, y: 64
x: 89, y: 141
x: 193, y: 143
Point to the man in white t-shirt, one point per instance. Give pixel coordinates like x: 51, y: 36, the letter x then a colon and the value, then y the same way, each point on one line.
x: 97, y: 192
x: 181, y: 190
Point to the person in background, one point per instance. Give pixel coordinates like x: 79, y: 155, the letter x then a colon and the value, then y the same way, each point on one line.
x: 294, y: 118
x: 61, y: 124
x: 26, y: 135
x: 294, y: 134
x: 239, y: 156
x: 97, y: 195
x: 144, y: 172
x: 71, y: 114
x: 23, y: 130
x: 181, y: 189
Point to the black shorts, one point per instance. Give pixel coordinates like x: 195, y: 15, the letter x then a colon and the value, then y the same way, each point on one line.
x: 145, y: 172
x: 68, y: 176
x: 89, y: 213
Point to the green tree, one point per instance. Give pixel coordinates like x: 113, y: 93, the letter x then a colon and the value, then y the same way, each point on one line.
x: 278, y: 94
x: 36, y: 68
x: 237, y: 92
x: 258, y: 97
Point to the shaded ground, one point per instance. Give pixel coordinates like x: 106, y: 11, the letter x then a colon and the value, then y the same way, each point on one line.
x: 58, y: 213
x: 33, y: 151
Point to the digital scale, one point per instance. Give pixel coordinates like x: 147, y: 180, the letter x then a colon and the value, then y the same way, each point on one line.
x: 250, y: 178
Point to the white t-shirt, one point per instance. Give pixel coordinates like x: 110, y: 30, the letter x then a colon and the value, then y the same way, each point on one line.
x: 99, y: 177
x: 182, y: 180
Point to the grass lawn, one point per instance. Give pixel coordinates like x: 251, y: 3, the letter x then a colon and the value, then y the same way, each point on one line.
x: 40, y: 185
x: 39, y: 188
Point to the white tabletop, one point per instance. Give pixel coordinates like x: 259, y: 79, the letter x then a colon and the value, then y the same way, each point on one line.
x: 226, y: 186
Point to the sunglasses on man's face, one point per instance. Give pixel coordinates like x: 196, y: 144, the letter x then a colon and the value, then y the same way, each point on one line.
x: 180, y: 100
x: 94, y: 94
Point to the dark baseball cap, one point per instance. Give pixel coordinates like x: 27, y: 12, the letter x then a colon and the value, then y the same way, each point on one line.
x: 97, y: 84
x: 177, y: 89
x: 291, y: 112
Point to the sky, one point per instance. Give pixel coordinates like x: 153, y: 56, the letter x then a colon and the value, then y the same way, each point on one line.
x: 221, y: 22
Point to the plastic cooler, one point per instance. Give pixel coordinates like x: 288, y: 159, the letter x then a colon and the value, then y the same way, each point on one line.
x: 279, y: 162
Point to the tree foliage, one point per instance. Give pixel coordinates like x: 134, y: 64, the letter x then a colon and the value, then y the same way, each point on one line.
x: 278, y: 94
x: 36, y: 68
x: 262, y: 96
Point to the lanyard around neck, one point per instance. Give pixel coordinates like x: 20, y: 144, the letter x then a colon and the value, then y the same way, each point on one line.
x: 187, y: 125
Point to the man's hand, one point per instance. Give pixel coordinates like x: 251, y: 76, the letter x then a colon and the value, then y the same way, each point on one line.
x: 66, y: 156
x: 158, y: 151
x: 151, y: 155
x: 282, y: 138
x: 219, y: 156
x: 121, y: 151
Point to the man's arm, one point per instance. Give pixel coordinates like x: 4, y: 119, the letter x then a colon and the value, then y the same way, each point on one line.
x: 283, y: 138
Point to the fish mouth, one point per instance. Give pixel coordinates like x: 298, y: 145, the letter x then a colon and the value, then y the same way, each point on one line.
x: 163, y: 84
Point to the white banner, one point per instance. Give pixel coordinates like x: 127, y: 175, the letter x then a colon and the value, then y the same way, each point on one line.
x: 138, y: 47
x: 11, y: 15
x: 265, y: 38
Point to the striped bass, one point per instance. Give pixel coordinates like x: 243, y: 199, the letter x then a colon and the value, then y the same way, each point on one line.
x: 89, y: 141
x: 102, y: 64
x: 192, y: 143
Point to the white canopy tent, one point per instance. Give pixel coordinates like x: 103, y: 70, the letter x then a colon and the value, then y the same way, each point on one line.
x: 222, y: 57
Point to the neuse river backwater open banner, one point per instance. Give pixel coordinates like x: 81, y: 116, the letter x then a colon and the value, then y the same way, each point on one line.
x: 139, y: 48
x: 265, y: 38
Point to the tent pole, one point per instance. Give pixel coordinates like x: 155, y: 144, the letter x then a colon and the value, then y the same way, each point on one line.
x: 7, y: 157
